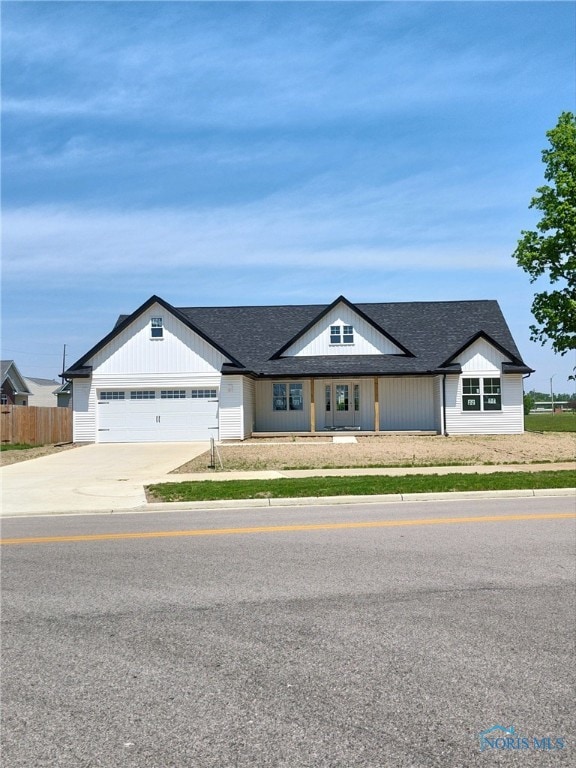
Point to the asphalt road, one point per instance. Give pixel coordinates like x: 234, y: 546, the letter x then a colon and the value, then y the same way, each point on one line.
x: 391, y: 644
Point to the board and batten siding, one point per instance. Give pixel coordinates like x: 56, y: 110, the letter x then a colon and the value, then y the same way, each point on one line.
x: 407, y: 403
x: 316, y: 340
x: 363, y: 419
x: 181, y: 359
x: 84, y: 411
x: 481, y: 356
x: 248, y: 400
x: 180, y: 349
x: 269, y: 420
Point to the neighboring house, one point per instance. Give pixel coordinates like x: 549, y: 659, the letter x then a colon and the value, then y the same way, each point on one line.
x: 14, y: 388
x: 167, y: 374
x: 64, y: 395
x: 43, y: 390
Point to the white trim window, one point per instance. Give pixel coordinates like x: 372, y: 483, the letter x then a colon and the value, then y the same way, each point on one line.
x: 481, y: 394
x: 341, y: 334
x: 288, y: 396
x: 172, y: 394
x: 156, y: 328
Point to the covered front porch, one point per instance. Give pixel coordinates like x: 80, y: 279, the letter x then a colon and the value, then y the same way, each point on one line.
x: 361, y: 406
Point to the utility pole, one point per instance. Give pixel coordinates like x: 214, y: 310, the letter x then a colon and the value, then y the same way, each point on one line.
x: 552, y: 393
x: 63, y: 364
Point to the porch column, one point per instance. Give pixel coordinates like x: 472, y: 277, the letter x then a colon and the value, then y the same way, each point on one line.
x: 376, y: 406
x: 312, y: 407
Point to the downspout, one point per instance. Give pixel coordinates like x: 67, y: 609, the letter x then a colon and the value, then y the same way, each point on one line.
x: 444, y: 405
x: 523, y: 414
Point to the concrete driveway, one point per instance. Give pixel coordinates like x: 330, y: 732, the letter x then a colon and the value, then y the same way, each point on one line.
x: 91, y: 477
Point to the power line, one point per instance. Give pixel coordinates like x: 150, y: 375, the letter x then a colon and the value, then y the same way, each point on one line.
x: 31, y: 354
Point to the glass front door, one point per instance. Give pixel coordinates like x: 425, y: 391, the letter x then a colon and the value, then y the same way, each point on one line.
x: 342, y: 405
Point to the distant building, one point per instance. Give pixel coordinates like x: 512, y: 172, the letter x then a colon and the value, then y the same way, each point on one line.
x: 43, y: 391
x: 15, y: 390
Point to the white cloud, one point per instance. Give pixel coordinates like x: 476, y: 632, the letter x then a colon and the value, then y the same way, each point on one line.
x: 418, y: 222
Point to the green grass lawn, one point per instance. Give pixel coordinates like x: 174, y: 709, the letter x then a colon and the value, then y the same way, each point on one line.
x: 548, y: 422
x: 207, y: 490
x: 16, y: 446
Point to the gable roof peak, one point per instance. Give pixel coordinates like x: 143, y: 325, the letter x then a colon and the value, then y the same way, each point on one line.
x: 325, y: 311
x: 80, y: 367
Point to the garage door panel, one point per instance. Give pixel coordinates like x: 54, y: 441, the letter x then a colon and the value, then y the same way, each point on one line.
x: 157, y: 420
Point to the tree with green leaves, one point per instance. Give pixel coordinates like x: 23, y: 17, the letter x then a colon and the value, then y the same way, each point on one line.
x: 550, y: 250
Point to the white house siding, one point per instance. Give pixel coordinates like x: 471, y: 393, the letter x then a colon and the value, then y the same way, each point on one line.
x: 481, y: 356
x: 367, y: 340
x: 248, y: 400
x: 268, y: 420
x: 181, y: 359
x: 84, y: 411
x: 179, y: 350
x: 407, y: 403
x: 363, y: 419
x: 510, y: 420
x: 480, y: 360
x: 231, y: 420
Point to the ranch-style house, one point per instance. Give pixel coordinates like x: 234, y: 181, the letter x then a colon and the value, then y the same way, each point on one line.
x: 181, y: 374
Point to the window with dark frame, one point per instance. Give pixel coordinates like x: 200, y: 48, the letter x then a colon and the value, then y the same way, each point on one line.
x: 288, y: 397
x: 481, y: 394
x: 492, y: 396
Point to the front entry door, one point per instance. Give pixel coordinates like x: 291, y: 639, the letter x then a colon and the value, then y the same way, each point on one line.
x: 342, y: 405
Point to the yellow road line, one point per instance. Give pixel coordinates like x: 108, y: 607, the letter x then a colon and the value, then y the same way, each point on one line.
x: 285, y: 528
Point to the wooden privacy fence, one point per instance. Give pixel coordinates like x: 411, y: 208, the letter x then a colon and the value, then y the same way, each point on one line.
x: 35, y: 426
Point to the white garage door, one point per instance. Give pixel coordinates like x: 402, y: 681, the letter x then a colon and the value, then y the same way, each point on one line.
x: 157, y: 415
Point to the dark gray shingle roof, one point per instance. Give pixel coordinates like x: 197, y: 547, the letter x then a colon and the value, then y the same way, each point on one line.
x: 431, y: 332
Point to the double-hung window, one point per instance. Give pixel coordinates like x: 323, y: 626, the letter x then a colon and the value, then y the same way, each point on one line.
x: 287, y: 397
x: 341, y: 334
x: 479, y: 394
x: 156, y: 328
x: 335, y: 335
x: 492, y: 396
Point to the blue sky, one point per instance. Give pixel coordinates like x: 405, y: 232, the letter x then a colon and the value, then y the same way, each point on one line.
x: 271, y: 152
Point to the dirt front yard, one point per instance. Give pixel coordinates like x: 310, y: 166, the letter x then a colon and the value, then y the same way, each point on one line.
x: 13, y: 457
x: 391, y: 451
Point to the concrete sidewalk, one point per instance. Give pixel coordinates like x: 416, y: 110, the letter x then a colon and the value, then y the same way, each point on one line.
x: 272, y: 474
x: 111, y: 478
